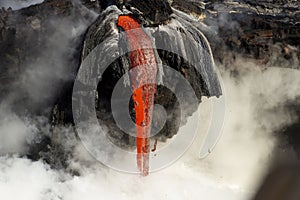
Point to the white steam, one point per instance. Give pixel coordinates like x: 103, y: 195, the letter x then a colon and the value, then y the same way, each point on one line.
x: 231, y: 172
x: 15, y: 132
x: 255, y: 112
x: 44, y: 77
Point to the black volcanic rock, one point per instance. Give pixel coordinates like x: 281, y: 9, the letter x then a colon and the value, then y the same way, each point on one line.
x: 249, y: 29
x: 154, y: 12
x: 204, y: 84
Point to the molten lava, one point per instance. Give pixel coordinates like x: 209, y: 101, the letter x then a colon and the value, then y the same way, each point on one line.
x: 144, y: 61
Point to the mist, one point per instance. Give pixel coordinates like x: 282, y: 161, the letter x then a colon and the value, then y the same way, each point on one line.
x: 15, y: 132
x: 234, y: 169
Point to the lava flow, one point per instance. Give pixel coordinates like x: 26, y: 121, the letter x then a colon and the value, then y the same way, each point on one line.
x: 144, y: 61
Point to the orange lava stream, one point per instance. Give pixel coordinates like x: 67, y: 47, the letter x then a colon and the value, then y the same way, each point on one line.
x: 143, y: 92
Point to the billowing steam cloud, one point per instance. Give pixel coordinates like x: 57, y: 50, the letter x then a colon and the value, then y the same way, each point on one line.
x: 16, y: 133
x: 255, y: 112
x: 244, y: 153
x: 232, y: 171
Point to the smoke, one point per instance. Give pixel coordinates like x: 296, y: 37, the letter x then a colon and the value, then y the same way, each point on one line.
x: 255, y: 114
x: 18, y: 4
x: 15, y: 132
x: 43, y: 78
x: 51, y: 60
x: 232, y: 171
x: 255, y: 111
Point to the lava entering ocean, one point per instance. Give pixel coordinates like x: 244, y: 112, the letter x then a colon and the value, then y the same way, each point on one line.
x: 143, y: 90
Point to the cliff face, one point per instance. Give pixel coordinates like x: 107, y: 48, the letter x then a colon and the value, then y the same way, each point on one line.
x: 267, y: 31
x: 45, y: 41
x: 197, y: 66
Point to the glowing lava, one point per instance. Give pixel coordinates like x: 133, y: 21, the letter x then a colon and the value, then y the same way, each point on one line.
x: 144, y: 61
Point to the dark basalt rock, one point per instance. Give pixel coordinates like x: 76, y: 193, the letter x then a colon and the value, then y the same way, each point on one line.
x: 250, y: 29
x: 204, y: 84
x: 154, y: 12
x: 290, y: 133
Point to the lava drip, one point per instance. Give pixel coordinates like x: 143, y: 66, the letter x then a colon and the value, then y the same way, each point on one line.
x: 144, y: 61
